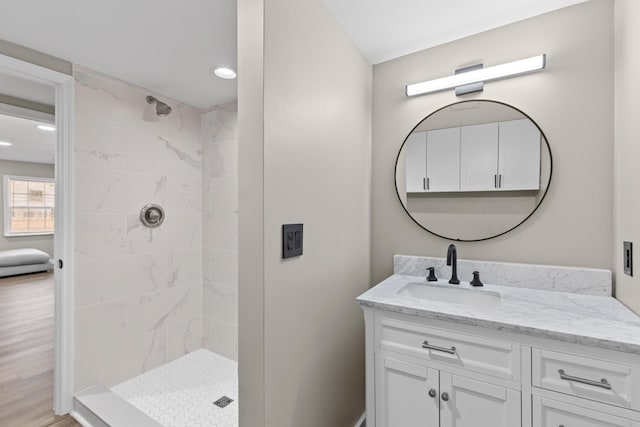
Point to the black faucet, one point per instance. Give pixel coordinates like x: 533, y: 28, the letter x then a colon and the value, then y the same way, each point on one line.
x: 452, y: 260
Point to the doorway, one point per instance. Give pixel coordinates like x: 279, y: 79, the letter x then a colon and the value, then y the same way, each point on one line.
x: 37, y: 218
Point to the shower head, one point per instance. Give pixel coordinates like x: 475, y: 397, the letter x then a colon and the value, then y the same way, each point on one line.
x: 162, y: 109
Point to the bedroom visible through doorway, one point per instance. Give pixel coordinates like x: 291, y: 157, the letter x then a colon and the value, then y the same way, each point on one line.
x: 28, y: 147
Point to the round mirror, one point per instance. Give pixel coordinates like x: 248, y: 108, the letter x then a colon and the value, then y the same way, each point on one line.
x: 473, y: 170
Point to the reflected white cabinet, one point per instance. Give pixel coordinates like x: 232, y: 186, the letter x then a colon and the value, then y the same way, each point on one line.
x: 479, y: 157
x: 443, y: 160
x: 433, y: 161
x: 416, y: 162
x: 500, y: 156
x: 519, y: 156
x: 411, y: 395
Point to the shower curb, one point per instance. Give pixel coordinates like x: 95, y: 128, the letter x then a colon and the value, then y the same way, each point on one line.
x: 100, y: 407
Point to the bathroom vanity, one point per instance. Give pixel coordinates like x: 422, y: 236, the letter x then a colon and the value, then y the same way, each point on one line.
x: 536, y: 346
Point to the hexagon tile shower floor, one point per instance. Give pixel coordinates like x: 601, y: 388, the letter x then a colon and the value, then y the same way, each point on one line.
x: 183, y: 393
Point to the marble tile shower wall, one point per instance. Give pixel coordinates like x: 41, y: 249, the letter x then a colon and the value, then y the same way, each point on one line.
x: 138, y: 292
x: 220, y: 238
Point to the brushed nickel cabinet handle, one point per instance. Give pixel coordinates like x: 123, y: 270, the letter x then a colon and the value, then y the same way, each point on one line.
x: 603, y: 383
x: 424, y: 183
x: 432, y: 392
x: 445, y: 396
x: 451, y: 350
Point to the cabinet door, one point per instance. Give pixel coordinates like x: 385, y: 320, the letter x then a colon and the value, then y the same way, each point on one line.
x: 473, y: 403
x: 519, y: 164
x: 402, y: 394
x: 443, y: 160
x: 479, y: 157
x: 550, y: 413
x: 416, y: 162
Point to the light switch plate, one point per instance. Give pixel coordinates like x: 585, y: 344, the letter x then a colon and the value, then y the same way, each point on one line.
x: 291, y: 240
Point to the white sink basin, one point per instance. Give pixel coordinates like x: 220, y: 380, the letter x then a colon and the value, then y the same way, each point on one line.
x: 451, y: 293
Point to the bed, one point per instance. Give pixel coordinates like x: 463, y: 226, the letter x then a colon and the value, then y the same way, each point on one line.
x: 22, y: 261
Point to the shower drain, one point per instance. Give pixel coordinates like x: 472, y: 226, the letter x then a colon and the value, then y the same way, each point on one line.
x: 223, y: 401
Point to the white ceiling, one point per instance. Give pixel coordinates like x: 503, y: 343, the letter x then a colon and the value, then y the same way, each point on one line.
x: 166, y: 46
x: 385, y: 29
x: 170, y: 46
x: 29, y: 143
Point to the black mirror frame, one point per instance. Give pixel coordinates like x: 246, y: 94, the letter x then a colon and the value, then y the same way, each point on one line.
x: 395, y: 172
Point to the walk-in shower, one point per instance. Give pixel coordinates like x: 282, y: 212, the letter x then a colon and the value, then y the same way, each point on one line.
x: 155, y: 307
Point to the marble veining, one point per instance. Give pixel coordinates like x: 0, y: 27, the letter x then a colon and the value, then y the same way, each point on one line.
x: 181, y: 154
x: 586, y: 281
x: 597, y: 321
x: 220, y: 253
x: 138, y: 290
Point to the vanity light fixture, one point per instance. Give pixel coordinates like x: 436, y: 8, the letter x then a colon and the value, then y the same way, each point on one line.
x: 47, y: 128
x: 5, y: 143
x: 514, y: 68
x: 225, y: 73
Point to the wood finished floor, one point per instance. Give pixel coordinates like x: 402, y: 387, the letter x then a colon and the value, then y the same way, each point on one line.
x: 26, y: 352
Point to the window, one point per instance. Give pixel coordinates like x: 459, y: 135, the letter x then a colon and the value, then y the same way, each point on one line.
x: 29, y: 205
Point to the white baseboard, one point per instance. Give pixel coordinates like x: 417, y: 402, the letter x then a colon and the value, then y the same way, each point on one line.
x: 362, y: 422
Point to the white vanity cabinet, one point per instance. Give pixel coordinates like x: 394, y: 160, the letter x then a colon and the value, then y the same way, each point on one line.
x: 412, y: 395
x: 552, y: 413
x: 406, y: 394
x: 427, y: 376
x: 426, y: 372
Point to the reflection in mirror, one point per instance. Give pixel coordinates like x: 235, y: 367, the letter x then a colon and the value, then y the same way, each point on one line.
x: 473, y: 170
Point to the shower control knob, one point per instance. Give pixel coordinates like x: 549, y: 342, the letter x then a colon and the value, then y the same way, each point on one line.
x: 152, y: 215
x: 432, y: 392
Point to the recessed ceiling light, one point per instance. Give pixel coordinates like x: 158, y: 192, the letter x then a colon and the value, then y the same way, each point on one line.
x: 225, y: 73
x: 5, y: 143
x: 47, y: 128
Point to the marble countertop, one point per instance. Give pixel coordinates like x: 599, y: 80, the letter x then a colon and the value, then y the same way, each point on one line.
x: 597, y: 321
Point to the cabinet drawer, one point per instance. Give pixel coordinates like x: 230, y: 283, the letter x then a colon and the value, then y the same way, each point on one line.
x: 479, y: 354
x: 550, y: 413
x: 600, y: 380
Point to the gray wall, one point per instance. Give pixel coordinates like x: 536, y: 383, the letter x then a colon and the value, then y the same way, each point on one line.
x: 572, y: 101
x: 251, y: 281
x: 314, y: 138
x: 7, y: 167
x: 627, y: 150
